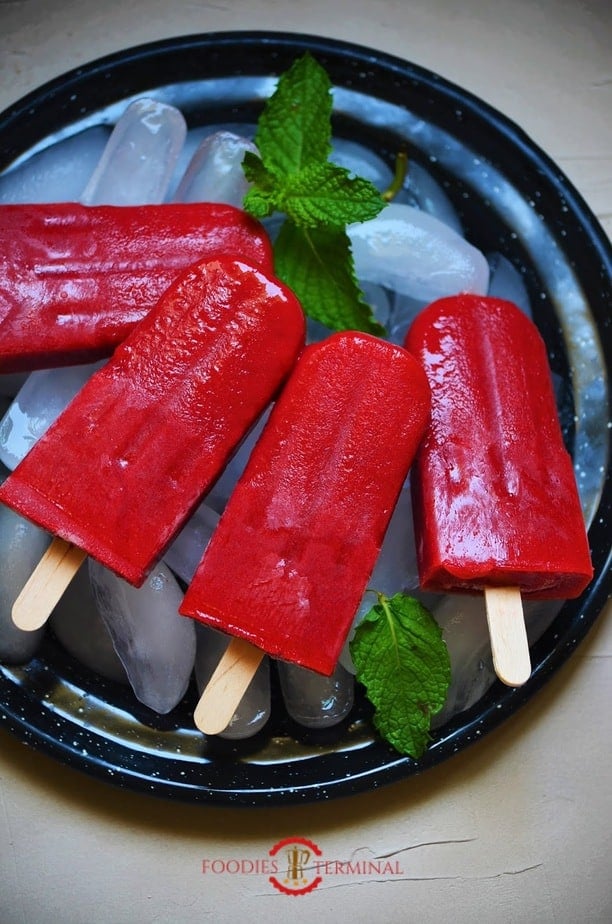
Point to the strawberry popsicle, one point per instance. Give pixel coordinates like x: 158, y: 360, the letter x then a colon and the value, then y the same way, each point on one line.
x: 75, y: 279
x: 132, y: 455
x: 308, y: 516
x: 495, y: 497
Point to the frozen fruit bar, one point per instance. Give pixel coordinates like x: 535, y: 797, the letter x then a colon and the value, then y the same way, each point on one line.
x: 495, y: 497
x: 75, y: 279
x: 130, y: 458
x: 290, y: 559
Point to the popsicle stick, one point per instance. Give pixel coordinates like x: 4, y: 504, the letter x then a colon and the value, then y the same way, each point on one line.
x: 46, y: 584
x: 227, y: 686
x: 511, y: 658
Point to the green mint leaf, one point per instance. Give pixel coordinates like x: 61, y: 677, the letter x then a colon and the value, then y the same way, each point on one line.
x: 294, y: 176
x: 294, y: 128
x: 324, y: 193
x: 316, y: 263
x: 255, y: 171
x: 261, y: 199
x: 403, y: 663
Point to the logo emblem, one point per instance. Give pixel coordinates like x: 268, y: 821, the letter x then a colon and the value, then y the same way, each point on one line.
x: 299, y: 866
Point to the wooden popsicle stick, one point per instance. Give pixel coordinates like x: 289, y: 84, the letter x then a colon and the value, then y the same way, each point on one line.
x: 511, y: 658
x: 46, y: 584
x: 228, y: 684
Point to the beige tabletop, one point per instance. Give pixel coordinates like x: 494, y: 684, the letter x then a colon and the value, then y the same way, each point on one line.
x: 518, y: 827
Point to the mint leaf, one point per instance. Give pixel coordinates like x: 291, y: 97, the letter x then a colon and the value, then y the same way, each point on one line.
x: 255, y: 172
x: 294, y: 129
x: 261, y: 199
x: 316, y: 264
x: 403, y: 663
x: 324, y: 193
x: 294, y: 176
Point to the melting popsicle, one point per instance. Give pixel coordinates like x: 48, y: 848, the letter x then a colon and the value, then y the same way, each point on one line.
x: 495, y: 499
x: 75, y: 279
x: 285, y: 570
x: 130, y: 458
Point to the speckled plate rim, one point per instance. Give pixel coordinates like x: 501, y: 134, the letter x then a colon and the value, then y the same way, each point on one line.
x: 350, y: 765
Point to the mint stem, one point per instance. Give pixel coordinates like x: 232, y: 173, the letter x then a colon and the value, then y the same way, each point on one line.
x: 384, y: 602
x: 401, y: 169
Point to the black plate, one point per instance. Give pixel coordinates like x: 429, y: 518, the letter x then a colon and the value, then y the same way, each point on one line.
x: 512, y: 199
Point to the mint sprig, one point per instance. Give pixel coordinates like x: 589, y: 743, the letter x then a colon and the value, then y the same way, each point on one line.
x: 402, y: 660
x: 318, y: 263
x: 294, y: 176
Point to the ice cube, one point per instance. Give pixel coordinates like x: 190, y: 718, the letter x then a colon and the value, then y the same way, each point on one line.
x: 139, y: 159
x: 427, y: 194
x: 416, y: 254
x: 215, y: 172
x: 506, y: 282
x: 361, y: 161
x: 58, y: 173
x: 11, y: 382
x: 195, y: 137
x: 42, y: 398
x: 463, y: 620
x: 83, y: 633
x: 396, y: 569
x: 313, y: 700
x: 23, y: 545
x: 539, y: 616
x: 404, y: 310
x: 254, y: 709
x: 154, y: 642
x: 185, y: 553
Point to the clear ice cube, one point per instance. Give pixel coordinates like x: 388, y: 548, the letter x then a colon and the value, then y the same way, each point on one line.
x: 59, y: 173
x: 137, y: 164
x: 154, y: 642
x: 42, y: 398
x: 215, y: 172
x: 185, y: 553
x: 416, y: 254
x: 313, y: 700
x: 83, y: 633
x: 23, y: 544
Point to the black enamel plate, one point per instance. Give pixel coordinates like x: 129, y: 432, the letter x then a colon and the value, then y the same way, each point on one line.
x: 513, y: 200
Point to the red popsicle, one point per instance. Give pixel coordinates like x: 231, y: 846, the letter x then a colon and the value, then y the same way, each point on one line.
x: 132, y: 455
x: 290, y: 559
x: 495, y: 497
x: 75, y: 279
